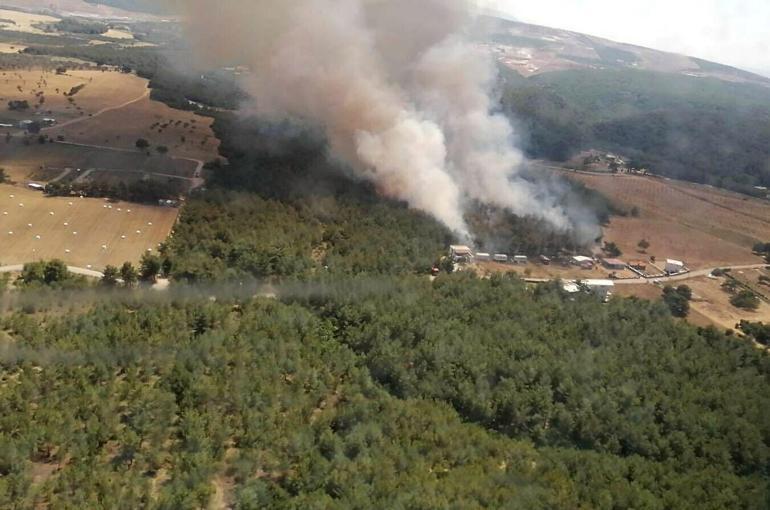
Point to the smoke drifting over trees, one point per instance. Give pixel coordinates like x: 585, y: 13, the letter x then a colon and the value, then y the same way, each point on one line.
x: 404, y: 100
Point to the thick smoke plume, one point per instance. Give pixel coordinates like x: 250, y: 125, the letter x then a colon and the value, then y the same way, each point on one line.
x: 403, y: 98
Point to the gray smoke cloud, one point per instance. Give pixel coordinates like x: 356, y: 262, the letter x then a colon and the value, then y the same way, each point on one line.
x: 403, y: 98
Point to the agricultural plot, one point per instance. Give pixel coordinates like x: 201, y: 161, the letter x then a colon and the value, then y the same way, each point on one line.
x: 17, y: 21
x: 88, y: 233
x: 11, y: 48
x: 703, y: 226
x: 183, y: 133
x: 74, y: 95
x: 108, y: 109
x: 45, y: 162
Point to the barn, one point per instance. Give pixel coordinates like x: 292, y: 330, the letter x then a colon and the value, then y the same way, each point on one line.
x: 674, y: 266
x: 583, y: 262
x: 616, y: 264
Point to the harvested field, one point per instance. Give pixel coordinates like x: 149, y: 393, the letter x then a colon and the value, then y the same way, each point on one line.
x: 703, y: 226
x: 97, y: 223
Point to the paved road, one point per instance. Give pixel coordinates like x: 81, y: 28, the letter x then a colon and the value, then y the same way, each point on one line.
x: 84, y: 118
x: 72, y: 269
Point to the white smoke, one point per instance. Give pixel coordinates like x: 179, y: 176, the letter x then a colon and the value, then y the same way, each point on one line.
x: 403, y: 98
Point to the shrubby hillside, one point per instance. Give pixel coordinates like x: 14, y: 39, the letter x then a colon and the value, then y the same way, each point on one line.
x: 699, y: 129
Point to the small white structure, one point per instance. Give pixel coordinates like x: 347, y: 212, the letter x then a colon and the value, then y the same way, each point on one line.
x: 601, y: 288
x: 460, y: 252
x: 36, y: 186
x: 674, y: 266
x: 499, y: 257
x: 570, y: 287
x: 483, y: 257
x: 583, y: 262
x: 521, y: 259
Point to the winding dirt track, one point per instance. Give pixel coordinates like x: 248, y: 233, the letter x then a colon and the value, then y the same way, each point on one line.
x: 68, y: 123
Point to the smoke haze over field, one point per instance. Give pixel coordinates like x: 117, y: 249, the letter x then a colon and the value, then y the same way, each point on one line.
x: 403, y: 99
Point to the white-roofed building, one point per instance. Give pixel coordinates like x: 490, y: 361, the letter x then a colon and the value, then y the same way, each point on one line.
x: 674, y: 266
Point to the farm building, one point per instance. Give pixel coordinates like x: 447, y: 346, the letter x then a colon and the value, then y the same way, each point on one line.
x: 483, y: 257
x: 521, y: 259
x: 499, y: 257
x: 583, y: 262
x: 460, y: 253
x: 614, y: 264
x: 600, y: 288
x: 546, y: 261
x: 639, y: 265
x: 674, y: 266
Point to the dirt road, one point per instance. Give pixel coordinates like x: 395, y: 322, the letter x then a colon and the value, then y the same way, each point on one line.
x: 68, y: 123
x: 18, y: 268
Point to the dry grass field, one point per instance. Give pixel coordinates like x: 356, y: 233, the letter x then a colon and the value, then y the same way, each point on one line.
x: 43, y: 163
x: 703, y: 226
x: 712, y: 303
x: 76, y: 233
x: 70, y: 7
x: 100, y: 90
x: 184, y: 133
x: 112, y: 109
x: 17, y: 21
x: 11, y: 48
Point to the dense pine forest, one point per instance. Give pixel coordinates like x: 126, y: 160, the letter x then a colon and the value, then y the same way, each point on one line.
x: 352, y: 380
